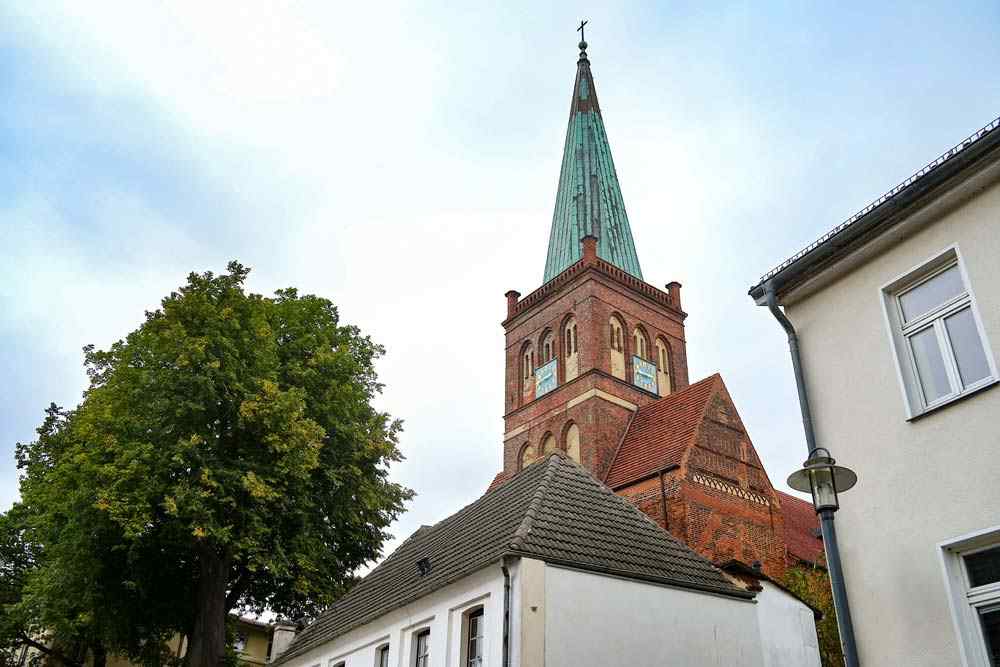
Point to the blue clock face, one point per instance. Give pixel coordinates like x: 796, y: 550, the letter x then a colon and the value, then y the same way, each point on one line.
x: 545, y: 378
x: 644, y: 374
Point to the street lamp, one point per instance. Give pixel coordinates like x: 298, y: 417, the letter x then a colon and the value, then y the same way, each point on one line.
x: 821, y: 477
x: 824, y: 480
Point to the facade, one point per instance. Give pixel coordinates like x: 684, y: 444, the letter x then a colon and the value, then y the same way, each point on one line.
x: 596, y: 367
x: 898, y: 318
x: 552, y: 568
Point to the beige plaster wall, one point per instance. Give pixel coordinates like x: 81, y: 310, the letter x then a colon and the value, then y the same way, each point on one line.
x: 921, y: 481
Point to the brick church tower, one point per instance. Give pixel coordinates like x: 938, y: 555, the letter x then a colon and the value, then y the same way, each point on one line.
x: 596, y: 366
x: 595, y: 341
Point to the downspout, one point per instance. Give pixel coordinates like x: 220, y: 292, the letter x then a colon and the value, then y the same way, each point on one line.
x: 793, y: 347
x: 506, y: 612
x: 834, y: 566
x: 663, y: 502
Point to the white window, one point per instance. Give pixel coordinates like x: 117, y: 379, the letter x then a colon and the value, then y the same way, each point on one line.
x: 938, y: 338
x: 382, y: 656
x: 421, y: 651
x: 475, y: 636
x: 972, y: 575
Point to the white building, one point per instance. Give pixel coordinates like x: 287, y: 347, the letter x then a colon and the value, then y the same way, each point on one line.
x: 552, y: 568
x: 897, y: 313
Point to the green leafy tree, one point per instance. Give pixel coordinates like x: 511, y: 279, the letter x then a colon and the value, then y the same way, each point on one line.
x: 812, y: 584
x: 87, y: 589
x: 226, y: 455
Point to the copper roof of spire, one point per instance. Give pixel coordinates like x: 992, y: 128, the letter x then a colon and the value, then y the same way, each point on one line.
x: 589, y: 198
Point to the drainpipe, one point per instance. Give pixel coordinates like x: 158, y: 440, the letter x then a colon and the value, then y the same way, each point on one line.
x: 834, y: 566
x: 506, y: 612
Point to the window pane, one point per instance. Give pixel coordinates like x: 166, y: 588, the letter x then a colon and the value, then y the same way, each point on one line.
x: 991, y: 633
x: 967, y: 346
x: 927, y: 295
x: 930, y: 365
x: 983, y: 567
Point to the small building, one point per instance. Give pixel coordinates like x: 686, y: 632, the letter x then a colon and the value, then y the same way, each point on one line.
x: 552, y: 568
x: 897, y: 314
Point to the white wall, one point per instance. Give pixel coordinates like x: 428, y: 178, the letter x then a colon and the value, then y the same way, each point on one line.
x: 440, y: 611
x: 921, y: 482
x: 787, y: 629
x: 599, y: 621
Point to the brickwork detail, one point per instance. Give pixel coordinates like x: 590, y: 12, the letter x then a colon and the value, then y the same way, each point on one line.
x: 729, y: 487
x: 719, y: 500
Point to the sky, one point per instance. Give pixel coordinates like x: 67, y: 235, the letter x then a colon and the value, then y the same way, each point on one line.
x: 402, y: 160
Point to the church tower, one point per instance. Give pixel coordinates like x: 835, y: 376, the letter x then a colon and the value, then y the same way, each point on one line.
x: 595, y: 342
x: 597, y: 368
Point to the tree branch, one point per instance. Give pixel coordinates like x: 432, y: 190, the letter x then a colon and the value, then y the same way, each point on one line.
x: 55, y: 653
x: 237, y: 590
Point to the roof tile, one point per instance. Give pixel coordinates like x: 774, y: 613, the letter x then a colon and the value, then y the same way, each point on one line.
x: 801, y: 527
x: 554, y: 511
x: 661, y: 432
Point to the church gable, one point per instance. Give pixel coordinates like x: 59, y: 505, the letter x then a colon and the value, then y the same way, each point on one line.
x: 688, y: 463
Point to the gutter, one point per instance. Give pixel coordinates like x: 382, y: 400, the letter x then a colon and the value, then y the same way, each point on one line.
x: 884, y: 213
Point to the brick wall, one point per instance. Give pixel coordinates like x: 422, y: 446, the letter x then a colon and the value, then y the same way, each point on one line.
x: 600, y: 404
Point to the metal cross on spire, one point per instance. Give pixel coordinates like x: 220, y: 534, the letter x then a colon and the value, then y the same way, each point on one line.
x: 580, y: 30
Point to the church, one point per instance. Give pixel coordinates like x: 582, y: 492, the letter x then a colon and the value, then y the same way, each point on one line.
x: 632, y: 522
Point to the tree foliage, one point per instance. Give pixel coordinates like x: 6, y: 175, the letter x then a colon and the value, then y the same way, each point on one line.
x: 812, y: 584
x: 226, y: 454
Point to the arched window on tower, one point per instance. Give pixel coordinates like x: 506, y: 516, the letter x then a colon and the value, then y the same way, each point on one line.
x: 570, y: 349
x: 548, y: 444
x: 641, y: 348
x: 527, y: 372
x: 616, y: 339
x: 663, y: 367
x: 573, y: 442
x: 548, y: 348
x: 528, y: 456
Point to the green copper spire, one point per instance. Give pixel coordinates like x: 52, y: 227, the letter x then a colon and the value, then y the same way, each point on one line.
x: 589, y: 199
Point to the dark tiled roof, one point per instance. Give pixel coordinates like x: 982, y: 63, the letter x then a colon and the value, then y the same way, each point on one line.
x: 661, y: 432
x: 554, y: 511
x: 801, y: 526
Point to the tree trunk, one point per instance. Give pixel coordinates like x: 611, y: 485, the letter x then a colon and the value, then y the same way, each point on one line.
x: 100, y: 654
x: 208, y: 637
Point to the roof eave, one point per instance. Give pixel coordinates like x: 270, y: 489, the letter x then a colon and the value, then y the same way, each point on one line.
x: 975, y: 154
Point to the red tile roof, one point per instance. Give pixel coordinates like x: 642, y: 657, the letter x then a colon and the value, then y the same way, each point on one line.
x: 661, y: 432
x: 500, y: 478
x: 801, y: 529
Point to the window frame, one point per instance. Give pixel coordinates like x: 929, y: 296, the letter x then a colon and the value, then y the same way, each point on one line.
x: 425, y: 634
x: 478, y: 611
x: 901, y: 332
x: 965, y: 601
x: 380, y: 651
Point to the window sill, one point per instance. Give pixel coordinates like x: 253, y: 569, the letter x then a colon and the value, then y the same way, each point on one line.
x: 954, y: 399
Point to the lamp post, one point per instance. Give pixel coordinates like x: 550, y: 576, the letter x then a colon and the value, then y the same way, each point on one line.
x: 821, y: 477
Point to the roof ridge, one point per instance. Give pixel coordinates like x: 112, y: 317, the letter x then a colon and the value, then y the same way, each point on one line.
x: 524, y: 528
